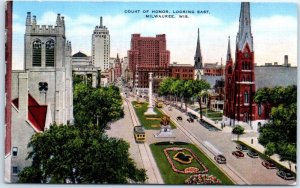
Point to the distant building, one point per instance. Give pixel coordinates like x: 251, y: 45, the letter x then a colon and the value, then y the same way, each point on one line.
x: 148, y: 54
x: 101, y: 47
x: 117, y: 69
x: 82, y: 65
x: 182, y: 71
x: 213, y: 69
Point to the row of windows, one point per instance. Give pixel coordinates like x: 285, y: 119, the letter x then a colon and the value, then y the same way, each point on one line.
x: 246, y: 66
x: 37, y: 53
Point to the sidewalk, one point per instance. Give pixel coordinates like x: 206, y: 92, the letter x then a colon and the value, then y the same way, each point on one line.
x: 261, y: 149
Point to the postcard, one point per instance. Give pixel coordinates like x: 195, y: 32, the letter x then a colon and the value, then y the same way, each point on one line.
x: 161, y: 93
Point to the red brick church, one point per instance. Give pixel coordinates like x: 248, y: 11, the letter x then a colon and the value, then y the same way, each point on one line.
x: 240, y: 78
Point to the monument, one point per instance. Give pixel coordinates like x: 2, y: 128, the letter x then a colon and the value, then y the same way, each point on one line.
x: 150, y: 110
x: 165, y: 128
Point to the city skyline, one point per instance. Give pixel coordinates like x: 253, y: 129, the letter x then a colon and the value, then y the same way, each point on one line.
x: 274, y: 28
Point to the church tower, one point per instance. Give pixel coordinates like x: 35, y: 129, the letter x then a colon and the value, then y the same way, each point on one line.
x: 228, y: 82
x: 242, y: 109
x: 198, y: 60
x: 48, y: 64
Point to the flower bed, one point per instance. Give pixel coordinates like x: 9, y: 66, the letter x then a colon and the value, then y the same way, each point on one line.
x: 188, y: 170
x: 203, y: 179
x: 183, y: 158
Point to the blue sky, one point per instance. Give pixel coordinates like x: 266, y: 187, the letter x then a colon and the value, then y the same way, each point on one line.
x: 274, y: 27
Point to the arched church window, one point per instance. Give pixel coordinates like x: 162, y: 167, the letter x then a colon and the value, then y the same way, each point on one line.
x: 229, y: 70
x: 50, y: 53
x: 36, y: 53
x: 246, y: 97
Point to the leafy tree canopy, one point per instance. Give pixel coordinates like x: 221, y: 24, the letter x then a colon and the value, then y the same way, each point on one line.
x: 79, y: 154
x: 97, y: 105
x: 280, y: 134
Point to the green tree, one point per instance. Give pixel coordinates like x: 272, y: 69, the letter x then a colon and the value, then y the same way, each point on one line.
x: 97, y: 105
x: 165, y: 87
x: 199, y: 87
x: 79, y: 154
x: 279, y: 134
x: 238, y: 130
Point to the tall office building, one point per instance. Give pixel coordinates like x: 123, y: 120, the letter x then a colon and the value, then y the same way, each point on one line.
x: 101, y: 47
x: 149, y: 54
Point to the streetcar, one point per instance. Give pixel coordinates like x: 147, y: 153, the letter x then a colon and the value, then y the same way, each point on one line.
x: 139, y: 134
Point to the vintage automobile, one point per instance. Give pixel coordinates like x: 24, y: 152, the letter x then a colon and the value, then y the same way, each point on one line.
x: 268, y: 164
x: 190, y: 120
x: 179, y: 118
x: 252, y: 154
x: 220, y: 159
x: 241, y: 148
x: 285, y: 174
x: 238, y: 154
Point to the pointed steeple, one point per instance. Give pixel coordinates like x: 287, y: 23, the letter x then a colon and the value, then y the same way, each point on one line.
x: 244, y: 35
x: 198, y: 57
x: 228, y: 51
x: 28, y: 18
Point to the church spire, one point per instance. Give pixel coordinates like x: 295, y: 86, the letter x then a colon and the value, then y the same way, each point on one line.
x: 198, y: 57
x: 228, y: 51
x: 28, y: 18
x: 244, y: 35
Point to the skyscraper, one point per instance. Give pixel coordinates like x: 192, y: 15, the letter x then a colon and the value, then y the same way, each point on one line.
x: 101, y: 47
x: 149, y: 54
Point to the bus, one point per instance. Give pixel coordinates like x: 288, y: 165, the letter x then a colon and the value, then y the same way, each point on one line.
x: 139, y: 134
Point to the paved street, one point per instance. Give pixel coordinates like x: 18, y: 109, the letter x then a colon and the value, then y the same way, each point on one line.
x: 242, y: 171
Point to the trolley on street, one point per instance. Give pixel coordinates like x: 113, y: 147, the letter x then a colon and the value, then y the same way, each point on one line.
x: 139, y: 134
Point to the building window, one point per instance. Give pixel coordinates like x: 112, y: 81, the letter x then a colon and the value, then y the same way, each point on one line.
x: 259, y: 109
x: 15, y: 151
x: 43, y: 87
x: 246, y: 97
x: 50, y: 53
x: 36, y: 53
x: 15, y: 170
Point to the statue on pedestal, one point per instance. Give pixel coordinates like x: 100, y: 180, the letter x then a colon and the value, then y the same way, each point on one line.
x: 165, y: 128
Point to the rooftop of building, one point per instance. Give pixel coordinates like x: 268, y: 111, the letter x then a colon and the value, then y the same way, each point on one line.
x: 180, y: 65
x: 36, y: 113
x: 79, y: 54
x: 266, y: 76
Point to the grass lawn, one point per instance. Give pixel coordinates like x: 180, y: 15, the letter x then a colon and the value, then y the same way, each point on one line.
x: 152, y: 122
x: 171, y: 177
x: 213, y: 115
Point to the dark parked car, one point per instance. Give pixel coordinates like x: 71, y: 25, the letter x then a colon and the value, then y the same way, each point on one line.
x: 268, y: 164
x: 193, y: 116
x: 220, y: 159
x: 252, y: 154
x: 241, y: 148
x: 285, y: 174
x: 190, y: 120
x: 238, y: 154
x: 179, y: 118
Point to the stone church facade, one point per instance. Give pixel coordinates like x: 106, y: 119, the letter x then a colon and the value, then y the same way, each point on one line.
x: 42, y: 93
